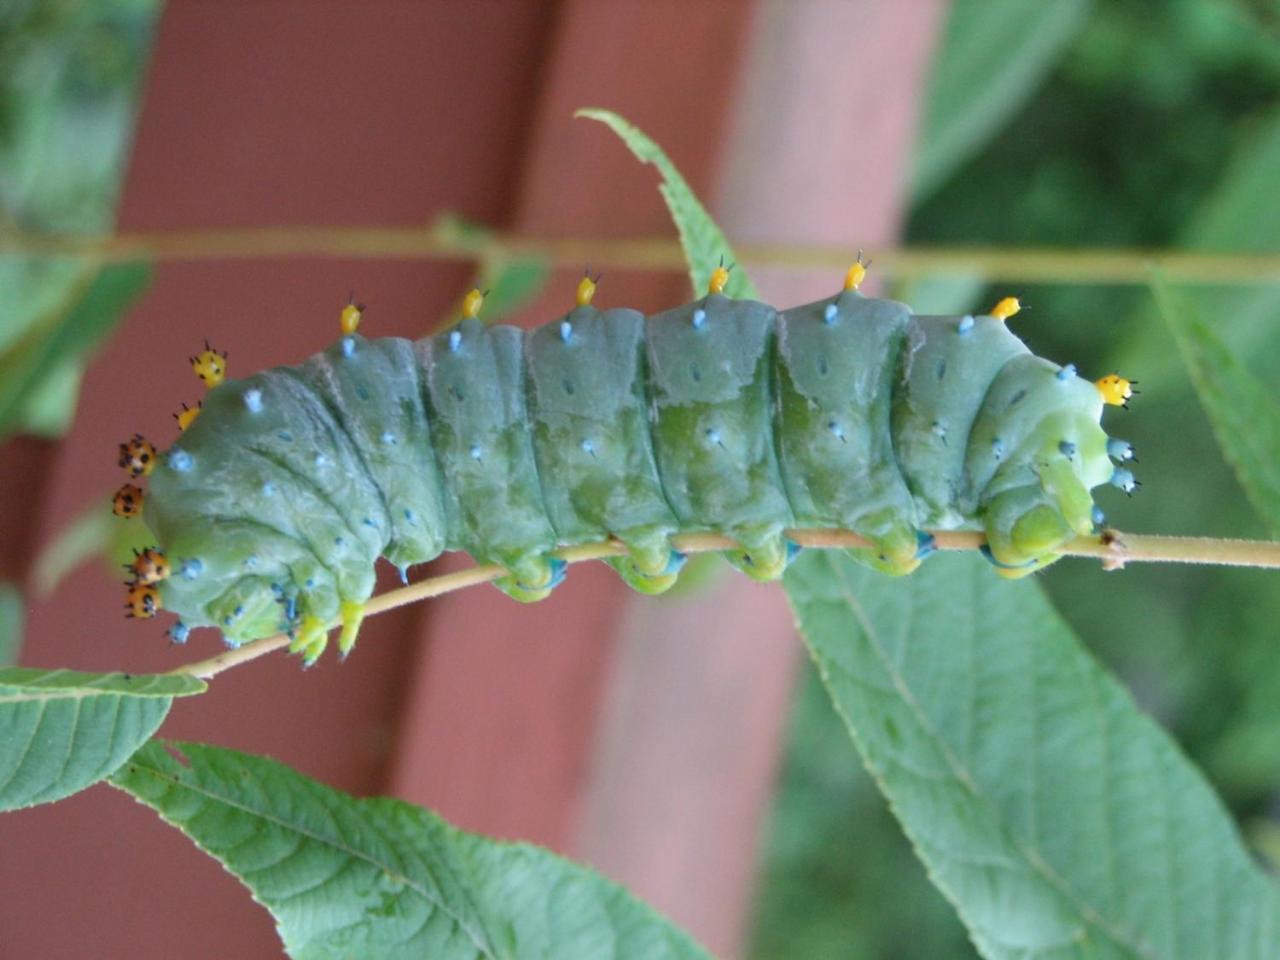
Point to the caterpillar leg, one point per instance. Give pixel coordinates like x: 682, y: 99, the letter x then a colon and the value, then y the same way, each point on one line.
x: 352, y: 617
x: 310, y: 640
x: 899, y: 547
x: 764, y: 555
x: 652, y: 566
x: 532, y: 578
x: 1027, y: 526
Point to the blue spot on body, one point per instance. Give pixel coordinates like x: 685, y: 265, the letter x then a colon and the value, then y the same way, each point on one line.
x: 389, y: 438
x: 238, y: 611
x: 997, y: 448
x: 1068, y: 448
x: 348, y: 346
x: 408, y: 515
x: 291, y: 609
x: 362, y: 393
x: 310, y: 583
x: 830, y: 314
x: 321, y: 460
x: 231, y: 643
x: 566, y: 330
x: 268, y: 488
x: 286, y: 436
x: 253, y: 400
x: 1099, y: 518
x: 965, y: 325
x: 588, y: 447
x: 455, y: 340
x: 181, y: 461
x: 404, y: 573
x: 368, y: 522
x: 191, y: 568
x: 179, y: 632
x: 475, y: 453
x: 339, y: 541
x: 250, y: 562
x: 1067, y: 372
x: 713, y: 436
x: 836, y: 430
x: 699, y: 318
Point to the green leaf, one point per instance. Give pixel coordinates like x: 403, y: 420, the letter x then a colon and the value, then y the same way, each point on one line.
x: 90, y: 310
x: 510, y: 281
x: 705, y: 244
x: 993, y: 55
x: 95, y: 532
x: 10, y: 623
x: 61, y: 731
x: 1244, y: 413
x: 380, y: 878
x: 1057, y: 818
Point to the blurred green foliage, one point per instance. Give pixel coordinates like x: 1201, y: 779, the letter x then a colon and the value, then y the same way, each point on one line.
x: 69, y: 91
x: 1158, y: 126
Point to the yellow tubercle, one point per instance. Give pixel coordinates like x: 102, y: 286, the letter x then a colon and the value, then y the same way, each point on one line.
x: 137, y: 456
x: 127, y: 501
x: 719, y: 277
x: 1115, y: 390
x: 1006, y: 308
x: 149, y: 566
x: 471, y: 304
x: 142, y: 601
x: 586, y: 291
x: 210, y: 365
x: 856, y: 273
x: 349, y: 319
x: 187, y: 416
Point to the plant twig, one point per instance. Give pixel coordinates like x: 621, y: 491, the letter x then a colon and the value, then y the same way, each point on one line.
x: 1113, y: 548
x: 444, y: 241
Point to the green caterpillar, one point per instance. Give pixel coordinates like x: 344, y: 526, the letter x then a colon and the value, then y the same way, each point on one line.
x: 720, y: 415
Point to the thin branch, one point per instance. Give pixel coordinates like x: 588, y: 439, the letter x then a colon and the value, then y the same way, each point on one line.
x: 444, y: 241
x: 1113, y: 548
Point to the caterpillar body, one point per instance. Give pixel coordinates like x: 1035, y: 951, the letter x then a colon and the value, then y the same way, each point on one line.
x: 719, y: 415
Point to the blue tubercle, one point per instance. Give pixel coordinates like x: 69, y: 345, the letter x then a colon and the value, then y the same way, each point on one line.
x: 965, y: 325
x: 253, y: 400
x: 1067, y: 448
x: 1099, y: 518
x: 1067, y: 372
x: 179, y: 632
x: 1123, y: 479
x: 1119, y: 449
x: 566, y: 331
x: 455, y: 340
x: 830, y: 313
x: 181, y: 461
x: 191, y: 568
x: 403, y: 570
x: 699, y: 318
x: 348, y: 346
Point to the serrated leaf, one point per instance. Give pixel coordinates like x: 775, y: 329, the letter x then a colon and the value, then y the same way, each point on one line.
x: 992, y: 57
x: 1244, y: 413
x: 1058, y: 818
x: 61, y: 730
x: 10, y: 623
x: 705, y: 244
x: 76, y: 326
x: 381, y: 879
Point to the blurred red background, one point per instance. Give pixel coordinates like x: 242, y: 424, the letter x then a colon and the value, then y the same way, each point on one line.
x: 637, y: 735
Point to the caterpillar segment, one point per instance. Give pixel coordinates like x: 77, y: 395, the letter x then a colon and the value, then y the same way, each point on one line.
x: 719, y: 415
